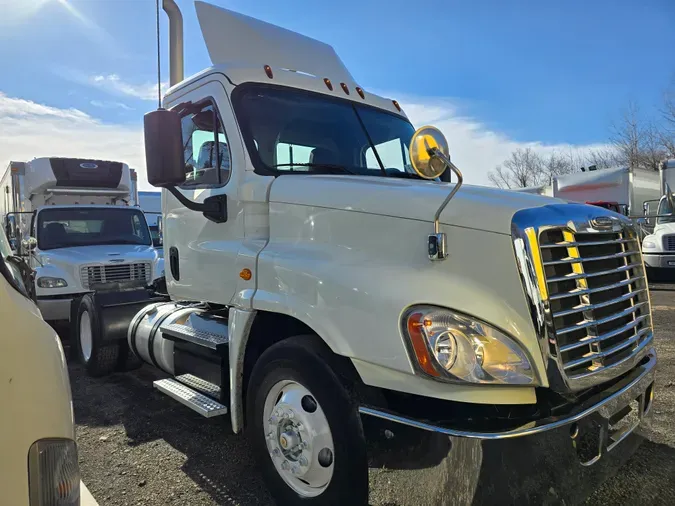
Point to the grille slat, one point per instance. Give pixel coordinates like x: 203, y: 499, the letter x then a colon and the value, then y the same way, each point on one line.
x: 669, y: 242
x: 588, y: 291
x: 597, y: 300
x: 592, y: 339
x: 576, y: 260
x: 102, y: 274
x: 591, y: 307
x: 595, y: 356
x: 565, y: 244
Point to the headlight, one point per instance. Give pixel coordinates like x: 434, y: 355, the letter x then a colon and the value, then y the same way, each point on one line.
x: 453, y: 347
x: 53, y: 473
x: 47, y: 282
x: 648, y: 244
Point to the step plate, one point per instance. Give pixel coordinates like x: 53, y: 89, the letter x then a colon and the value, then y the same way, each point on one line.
x: 200, y: 337
x: 199, y: 384
x: 200, y: 403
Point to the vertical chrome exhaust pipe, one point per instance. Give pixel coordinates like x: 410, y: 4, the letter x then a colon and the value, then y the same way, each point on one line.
x: 176, y: 72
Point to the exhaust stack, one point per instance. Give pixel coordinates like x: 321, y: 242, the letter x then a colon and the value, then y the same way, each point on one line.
x: 176, y: 72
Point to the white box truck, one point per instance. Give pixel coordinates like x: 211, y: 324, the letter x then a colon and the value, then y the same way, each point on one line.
x: 659, y: 247
x: 75, y: 222
x: 620, y: 189
x: 383, y: 335
x: 151, y: 205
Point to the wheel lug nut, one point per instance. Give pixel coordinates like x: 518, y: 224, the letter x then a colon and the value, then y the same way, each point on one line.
x: 295, y: 470
x: 285, y: 465
x: 273, y: 420
x: 303, y: 461
x: 291, y: 415
x: 276, y: 452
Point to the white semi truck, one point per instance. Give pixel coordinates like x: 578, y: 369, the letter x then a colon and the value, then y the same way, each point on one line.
x: 659, y: 247
x: 383, y: 335
x: 76, y: 224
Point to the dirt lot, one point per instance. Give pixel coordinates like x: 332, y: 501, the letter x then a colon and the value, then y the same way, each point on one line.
x: 138, y: 447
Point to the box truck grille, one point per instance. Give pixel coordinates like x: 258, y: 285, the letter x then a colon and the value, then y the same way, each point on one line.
x: 597, y: 297
x: 97, y: 275
x: 669, y: 242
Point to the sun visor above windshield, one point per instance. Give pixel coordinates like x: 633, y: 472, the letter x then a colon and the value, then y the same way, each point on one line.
x: 235, y: 39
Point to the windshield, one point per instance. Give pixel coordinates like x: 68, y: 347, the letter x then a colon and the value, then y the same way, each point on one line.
x: 72, y: 226
x: 664, y: 208
x: 294, y: 131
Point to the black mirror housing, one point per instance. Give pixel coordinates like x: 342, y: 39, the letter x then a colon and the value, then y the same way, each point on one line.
x: 164, y: 148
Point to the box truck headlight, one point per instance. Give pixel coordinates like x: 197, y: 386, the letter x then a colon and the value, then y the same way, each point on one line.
x: 648, y: 244
x: 453, y: 347
x: 47, y: 282
x: 54, y: 473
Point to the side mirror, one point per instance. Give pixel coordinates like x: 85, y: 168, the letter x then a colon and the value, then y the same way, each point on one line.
x: 164, y: 148
x: 670, y: 199
x: 160, y: 228
x: 29, y: 244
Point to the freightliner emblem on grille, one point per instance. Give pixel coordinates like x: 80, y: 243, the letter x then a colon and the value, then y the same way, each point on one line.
x: 604, y: 223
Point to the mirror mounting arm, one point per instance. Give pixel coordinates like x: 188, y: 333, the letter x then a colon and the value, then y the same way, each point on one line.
x: 437, y: 243
x: 213, y: 208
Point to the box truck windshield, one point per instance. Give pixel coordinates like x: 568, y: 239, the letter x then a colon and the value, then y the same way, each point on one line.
x: 69, y: 227
x: 664, y: 208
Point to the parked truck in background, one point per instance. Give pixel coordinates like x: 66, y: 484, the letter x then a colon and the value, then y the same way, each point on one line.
x: 38, y: 460
x: 659, y: 246
x: 151, y: 205
x: 76, y: 224
x: 384, y: 336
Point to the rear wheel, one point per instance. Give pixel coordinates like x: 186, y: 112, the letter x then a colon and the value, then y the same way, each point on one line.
x: 305, y: 429
x: 98, y: 357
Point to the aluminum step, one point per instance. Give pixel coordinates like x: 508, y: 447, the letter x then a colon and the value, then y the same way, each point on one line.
x: 200, y: 403
x: 199, y: 384
x: 211, y: 340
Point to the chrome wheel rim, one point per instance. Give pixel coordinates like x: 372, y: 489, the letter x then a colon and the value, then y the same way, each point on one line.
x: 85, y: 335
x: 299, y: 439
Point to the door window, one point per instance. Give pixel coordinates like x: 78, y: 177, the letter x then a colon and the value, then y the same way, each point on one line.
x: 205, y: 147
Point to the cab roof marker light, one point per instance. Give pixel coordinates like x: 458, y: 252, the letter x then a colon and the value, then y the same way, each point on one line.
x: 396, y: 104
x: 344, y: 88
x: 268, y: 71
x: 359, y: 90
x: 329, y: 85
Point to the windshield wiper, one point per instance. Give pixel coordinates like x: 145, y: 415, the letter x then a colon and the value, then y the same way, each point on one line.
x: 330, y: 167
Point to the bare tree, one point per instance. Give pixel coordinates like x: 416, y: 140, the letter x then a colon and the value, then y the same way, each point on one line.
x: 602, y: 158
x: 522, y: 169
x: 628, y: 136
x: 553, y: 164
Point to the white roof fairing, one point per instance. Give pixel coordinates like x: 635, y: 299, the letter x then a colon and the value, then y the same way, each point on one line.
x: 238, y: 40
x: 240, y: 46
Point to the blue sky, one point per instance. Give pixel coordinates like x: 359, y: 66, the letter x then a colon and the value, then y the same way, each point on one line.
x: 496, y: 75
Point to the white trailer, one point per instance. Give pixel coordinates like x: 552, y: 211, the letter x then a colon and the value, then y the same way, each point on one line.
x: 619, y: 189
x: 76, y: 223
x: 151, y: 204
x: 383, y: 336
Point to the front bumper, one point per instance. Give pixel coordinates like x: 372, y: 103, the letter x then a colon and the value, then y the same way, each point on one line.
x: 660, y: 260
x: 550, y: 461
x: 54, y: 309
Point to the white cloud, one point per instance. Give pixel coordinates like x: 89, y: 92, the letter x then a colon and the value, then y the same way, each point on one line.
x: 114, y: 84
x: 475, y: 148
x: 29, y: 129
x: 104, y: 104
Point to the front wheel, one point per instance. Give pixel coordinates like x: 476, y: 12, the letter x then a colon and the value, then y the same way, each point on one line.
x: 98, y: 357
x: 305, y: 429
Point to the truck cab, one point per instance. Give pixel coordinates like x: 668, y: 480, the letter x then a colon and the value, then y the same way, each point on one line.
x: 362, y: 317
x: 659, y: 247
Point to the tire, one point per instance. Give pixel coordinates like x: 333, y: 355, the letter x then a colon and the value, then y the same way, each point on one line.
x: 98, y: 358
x: 302, y: 362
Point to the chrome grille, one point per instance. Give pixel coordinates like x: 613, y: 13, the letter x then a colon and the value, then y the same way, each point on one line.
x: 669, y: 242
x: 597, y: 298
x: 96, y: 275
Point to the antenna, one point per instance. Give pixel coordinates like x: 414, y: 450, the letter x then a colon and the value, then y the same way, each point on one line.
x: 159, y: 61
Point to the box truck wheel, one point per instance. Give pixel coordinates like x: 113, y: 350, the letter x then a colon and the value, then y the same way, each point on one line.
x: 98, y: 358
x: 304, y: 428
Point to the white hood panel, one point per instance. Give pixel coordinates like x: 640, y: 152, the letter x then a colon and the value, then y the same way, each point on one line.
x: 474, y: 207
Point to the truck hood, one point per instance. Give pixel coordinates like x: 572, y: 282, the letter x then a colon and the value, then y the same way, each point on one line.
x: 476, y: 207
x: 97, y: 254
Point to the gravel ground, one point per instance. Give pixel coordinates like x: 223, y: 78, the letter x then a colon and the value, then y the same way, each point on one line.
x: 138, y: 447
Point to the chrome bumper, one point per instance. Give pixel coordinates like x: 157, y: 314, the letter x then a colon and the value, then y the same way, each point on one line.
x: 554, y: 460
x: 660, y: 261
